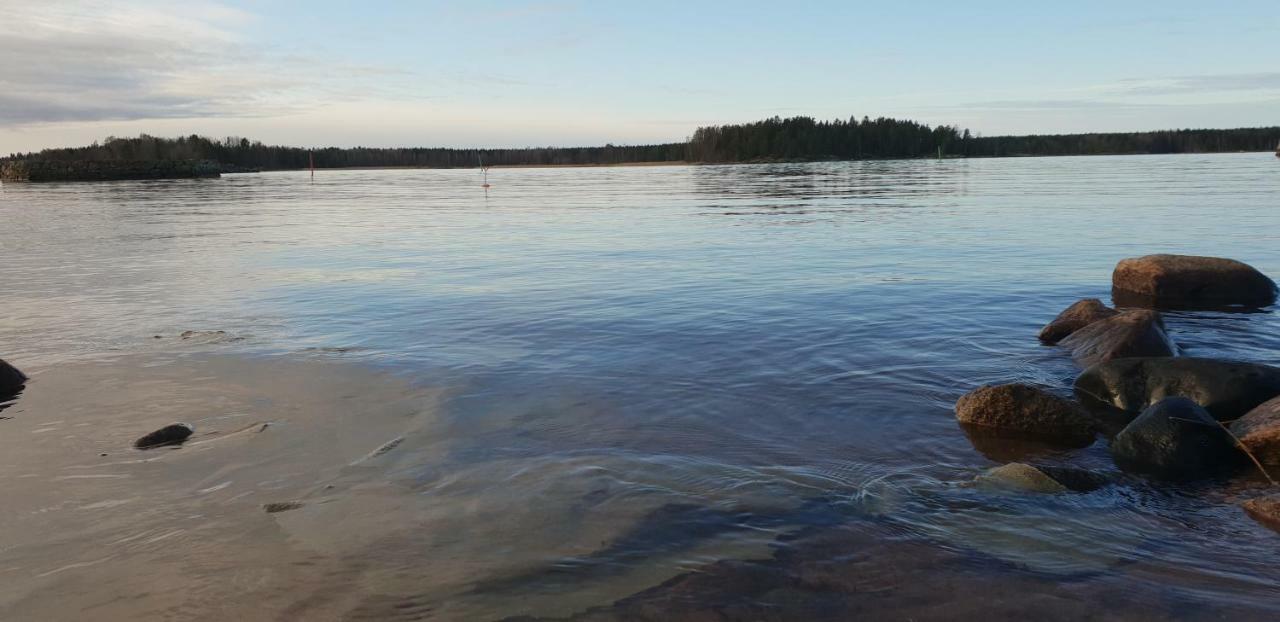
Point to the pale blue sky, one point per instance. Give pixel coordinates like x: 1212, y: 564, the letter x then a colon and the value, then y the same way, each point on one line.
x: 554, y: 73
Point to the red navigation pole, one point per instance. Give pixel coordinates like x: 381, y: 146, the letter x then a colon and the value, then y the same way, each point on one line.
x: 311, y: 159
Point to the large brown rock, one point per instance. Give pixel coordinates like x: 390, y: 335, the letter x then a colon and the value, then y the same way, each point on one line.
x: 1025, y: 411
x: 1125, y: 335
x: 1123, y: 388
x: 1259, y: 431
x: 11, y: 380
x: 1080, y: 314
x: 1188, y: 281
x: 1265, y: 510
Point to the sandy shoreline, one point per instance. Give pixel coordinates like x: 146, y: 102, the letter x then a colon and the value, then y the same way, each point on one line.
x: 95, y: 528
x: 312, y: 489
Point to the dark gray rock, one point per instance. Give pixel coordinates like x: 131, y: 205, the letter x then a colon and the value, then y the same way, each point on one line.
x: 1187, y: 281
x: 1077, y: 316
x: 1122, y: 388
x: 1176, y: 439
x: 172, y: 434
x: 1125, y: 335
x: 1025, y: 411
x: 11, y: 380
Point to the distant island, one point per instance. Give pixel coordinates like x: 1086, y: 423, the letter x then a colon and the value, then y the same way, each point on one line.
x: 795, y: 139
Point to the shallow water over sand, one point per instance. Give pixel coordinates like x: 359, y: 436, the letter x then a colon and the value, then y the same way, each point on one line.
x: 600, y: 380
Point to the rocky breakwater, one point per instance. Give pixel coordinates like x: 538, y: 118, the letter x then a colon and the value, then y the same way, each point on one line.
x: 104, y: 170
x: 1164, y: 416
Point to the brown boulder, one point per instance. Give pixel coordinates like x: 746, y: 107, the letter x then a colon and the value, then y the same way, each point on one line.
x: 1075, y: 317
x: 1125, y: 335
x: 1259, y: 431
x: 1265, y: 510
x: 1187, y: 281
x: 1025, y: 411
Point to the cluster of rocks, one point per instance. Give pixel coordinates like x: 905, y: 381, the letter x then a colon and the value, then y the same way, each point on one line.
x: 1166, y: 416
x: 105, y: 170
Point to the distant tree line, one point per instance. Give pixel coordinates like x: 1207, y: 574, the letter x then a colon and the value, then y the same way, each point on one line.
x: 241, y: 153
x: 775, y: 139
x: 803, y: 138
x: 1167, y: 141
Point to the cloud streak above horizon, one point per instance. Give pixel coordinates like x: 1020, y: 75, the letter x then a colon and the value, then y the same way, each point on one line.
x: 95, y: 61
x: 537, y: 72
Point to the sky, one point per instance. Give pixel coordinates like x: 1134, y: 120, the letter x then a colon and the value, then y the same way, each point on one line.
x: 558, y: 73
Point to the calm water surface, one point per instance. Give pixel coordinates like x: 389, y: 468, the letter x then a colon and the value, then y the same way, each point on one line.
x: 646, y: 371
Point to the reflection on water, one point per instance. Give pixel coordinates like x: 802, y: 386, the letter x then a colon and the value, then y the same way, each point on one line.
x: 603, y: 379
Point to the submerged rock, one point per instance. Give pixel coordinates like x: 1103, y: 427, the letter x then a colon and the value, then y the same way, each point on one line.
x: 11, y: 380
x: 1044, y: 479
x: 1265, y: 510
x: 1188, y: 281
x: 1176, y: 439
x: 281, y: 506
x: 1259, y: 431
x: 1079, y: 315
x: 1019, y: 476
x: 1125, y: 335
x: 1126, y: 387
x: 172, y: 434
x: 1026, y: 411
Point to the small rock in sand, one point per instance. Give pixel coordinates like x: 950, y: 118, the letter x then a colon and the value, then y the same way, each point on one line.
x: 172, y: 434
x: 281, y: 506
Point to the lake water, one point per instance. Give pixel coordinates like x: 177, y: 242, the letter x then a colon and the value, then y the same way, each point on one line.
x: 621, y: 393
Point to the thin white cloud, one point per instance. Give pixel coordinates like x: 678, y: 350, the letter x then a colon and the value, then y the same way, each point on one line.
x: 118, y: 61
x: 1202, y: 84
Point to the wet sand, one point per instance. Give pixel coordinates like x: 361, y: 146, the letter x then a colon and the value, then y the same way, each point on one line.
x: 365, y: 520
x: 94, y: 529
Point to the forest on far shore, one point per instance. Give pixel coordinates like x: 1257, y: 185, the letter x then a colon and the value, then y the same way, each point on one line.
x: 769, y: 140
